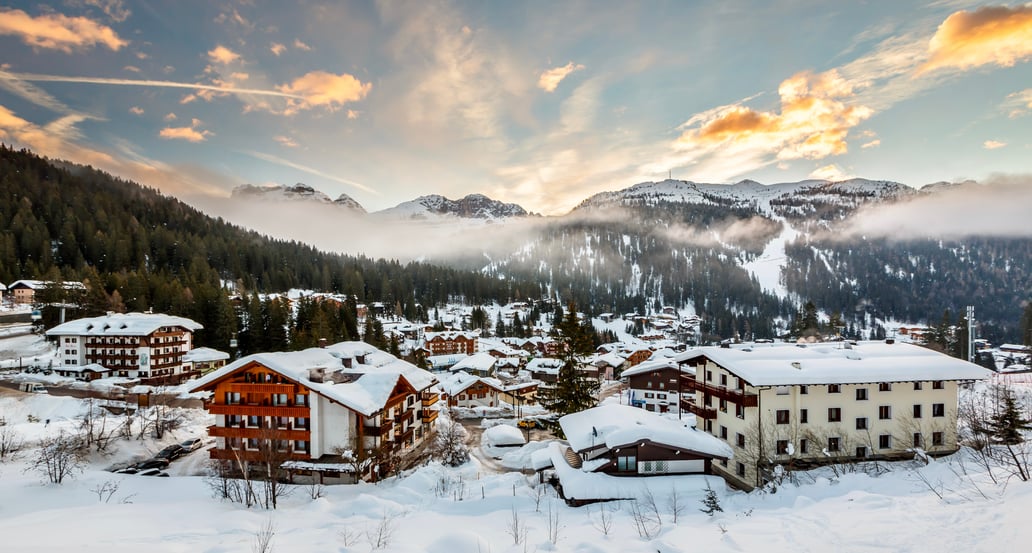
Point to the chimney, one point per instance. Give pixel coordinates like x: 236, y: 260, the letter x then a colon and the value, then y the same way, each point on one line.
x: 322, y: 343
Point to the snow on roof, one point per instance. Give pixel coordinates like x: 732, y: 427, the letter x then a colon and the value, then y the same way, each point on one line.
x: 453, y: 384
x: 201, y: 355
x: 37, y: 284
x: 612, y: 359
x: 617, y: 425
x: 122, y: 324
x: 482, y: 362
x: 542, y: 458
x: 544, y: 365
x: 93, y: 367
x: 376, y: 373
x: 2, y: 287
x: 440, y: 361
x: 656, y: 365
x: 782, y: 364
x: 504, y: 435
x: 450, y: 335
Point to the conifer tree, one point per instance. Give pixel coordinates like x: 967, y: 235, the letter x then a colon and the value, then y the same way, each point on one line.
x: 1007, y: 424
x: 574, y: 391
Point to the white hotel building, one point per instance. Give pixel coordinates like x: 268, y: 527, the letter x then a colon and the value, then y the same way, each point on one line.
x: 798, y: 405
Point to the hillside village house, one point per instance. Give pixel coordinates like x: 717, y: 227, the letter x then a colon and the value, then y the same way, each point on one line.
x: 147, y: 346
x: 318, y: 402
x: 201, y: 361
x: 450, y: 342
x: 797, y: 405
x: 23, y: 292
x: 658, y: 386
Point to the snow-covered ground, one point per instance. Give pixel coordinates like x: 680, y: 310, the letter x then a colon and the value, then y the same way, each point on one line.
x: 439, y: 509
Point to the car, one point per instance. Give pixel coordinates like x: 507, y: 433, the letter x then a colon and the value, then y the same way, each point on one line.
x: 154, y: 472
x: 150, y: 464
x: 192, y: 444
x: 171, y: 452
x: 128, y: 470
x: 530, y: 423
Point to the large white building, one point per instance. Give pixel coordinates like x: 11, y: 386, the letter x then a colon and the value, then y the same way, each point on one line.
x: 799, y: 405
x: 133, y: 345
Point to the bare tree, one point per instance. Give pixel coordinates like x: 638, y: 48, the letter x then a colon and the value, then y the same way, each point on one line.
x: 449, y: 445
x: 381, y: 533
x: 554, y: 523
x: 604, y: 521
x: 11, y: 443
x: 105, y: 490
x: 273, y: 451
x: 362, y: 459
x: 516, y: 527
x: 675, y: 503
x: 58, y: 457
x: 644, y: 522
x: 263, y: 538
x: 95, y: 428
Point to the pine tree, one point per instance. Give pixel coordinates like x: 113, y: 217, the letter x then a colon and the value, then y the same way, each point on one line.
x: 711, y: 503
x: 574, y: 391
x: 1007, y: 424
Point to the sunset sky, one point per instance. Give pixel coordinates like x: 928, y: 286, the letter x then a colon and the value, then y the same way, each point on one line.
x: 539, y: 103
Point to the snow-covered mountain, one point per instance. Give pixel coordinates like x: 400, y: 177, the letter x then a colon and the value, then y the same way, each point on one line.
x: 473, y: 206
x: 299, y: 192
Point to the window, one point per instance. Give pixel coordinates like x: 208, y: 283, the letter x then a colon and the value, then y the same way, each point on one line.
x: 232, y: 398
x: 804, y: 390
x: 782, y: 390
x: 301, y: 445
x: 917, y: 411
x: 782, y: 416
x: 833, y: 444
x: 937, y: 438
x: 885, y: 441
x: 917, y: 441
x: 723, y: 433
x: 804, y: 416
x: 723, y: 406
x: 804, y: 446
x: 709, y: 376
x: 938, y: 409
x: 834, y: 389
x: 254, y: 421
x: 861, y: 394
x: 301, y: 400
x: 739, y: 411
x: 834, y: 414
x: 252, y: 443
x: 740, y: 440
x: 282, y: 422
x: 782, y: 447
x: 861, y: 451
x: 279, y: 399
x: 662, y: 385
x: 884, y: 412
x: 861, y: 423
x: 917, y: 385
x: 885, y: 387
x: 627, y: 463
x: 709, y: 426
x: 938, y: 385
x: 649, y: 395
x: 740, y: 469
x: 723, y: 380
x: 301, y: 423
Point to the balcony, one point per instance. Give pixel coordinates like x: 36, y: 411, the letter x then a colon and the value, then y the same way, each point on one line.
x: 252, y: 432
x: 698, y: 411
x: 382, y: 430
x: 261, y: 388
x: 430, y: 398
x: 429, y: 415
x: 253, y: 455
x: 725, y: 393
x: 249, y: 410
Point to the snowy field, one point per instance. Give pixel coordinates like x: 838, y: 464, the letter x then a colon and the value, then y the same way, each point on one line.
x: 444, y: 510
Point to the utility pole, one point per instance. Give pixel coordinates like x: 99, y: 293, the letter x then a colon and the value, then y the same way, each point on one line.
x: 971, y: 333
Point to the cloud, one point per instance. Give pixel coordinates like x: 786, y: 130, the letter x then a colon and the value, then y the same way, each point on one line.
x: 551, y: 78
x: 229, y: 89
x: 131, y: 69
x: 301, y: 45
x: 238, y: 76
x: 871, y: 144
x: 322, y: 89
x: 830, y: 172
x: 993, y: 144
x: 115, y: 9
x: 223, y: 55
x: 1018, y: 103
x: 189, y: 134
x: 136, y: 110
x: 990, y: 35
x: 813, y: 123
x: 277, y: 48
x: 286, y: 141
x: 935, y: 214
x: 58, y: 32
x: 170, y: 116
x: 310, y: 170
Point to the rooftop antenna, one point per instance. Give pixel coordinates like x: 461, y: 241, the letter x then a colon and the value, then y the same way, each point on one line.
x: 971, y: 333
x: 670, y: 174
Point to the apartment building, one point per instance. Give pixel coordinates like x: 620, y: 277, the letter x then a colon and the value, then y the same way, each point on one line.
x: 148, y: 346
x: 799, y: 405
x: 660, y: 385
x: 317, y: 402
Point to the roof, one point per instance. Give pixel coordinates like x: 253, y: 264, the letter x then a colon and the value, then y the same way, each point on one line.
x: 455, y: 383
x: 375, y: 373
x: 201, y: 355
x: 612, y: 359
x: 544, y: 365
x: 122, y: 324
x: 781, y: 364
x: 656, y: 365
x: 37, y: 284
x: 620, y: 425
x: 92, y: 367
x: 450, y: 335
x: 482, y: 361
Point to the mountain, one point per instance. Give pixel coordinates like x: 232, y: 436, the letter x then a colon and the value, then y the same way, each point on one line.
x: 473, y: 206
x: 299, y: 192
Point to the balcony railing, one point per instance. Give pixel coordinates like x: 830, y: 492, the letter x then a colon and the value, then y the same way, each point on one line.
x: 430, y: 399
x: 725, y: 393
x: 248, y: 410
x: 698, y: 411
x: 261, y: 388
x: 252, y: 432
x: 252, y: 455
x: 382, y: 430
x: 429, y: 415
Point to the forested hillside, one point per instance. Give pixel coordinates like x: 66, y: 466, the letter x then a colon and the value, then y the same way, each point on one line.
x: 137, y: 249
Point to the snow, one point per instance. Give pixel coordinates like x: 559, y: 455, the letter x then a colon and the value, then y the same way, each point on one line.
x: 479, y: 362
x: 202, y: 355
x: 616, y: 425
x: 833, y: 363
x: 121, y: 324
x: 503, y: 435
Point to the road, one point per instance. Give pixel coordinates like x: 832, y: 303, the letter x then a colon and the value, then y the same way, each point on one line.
x: 475, y: 430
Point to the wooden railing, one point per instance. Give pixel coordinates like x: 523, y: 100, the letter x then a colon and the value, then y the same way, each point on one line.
x: 246, y: 410
x: 703, y: 412
x: 723, y: 392
x: 429, y: 415
x: 252, y: 432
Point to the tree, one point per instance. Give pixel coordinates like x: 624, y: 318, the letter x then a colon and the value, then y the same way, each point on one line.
x: 1026, y: 324
x: 1007, y: 424
x: 710, y: 502
x: 58, y: 457
x: 574, y: 391
x: 449, y: 444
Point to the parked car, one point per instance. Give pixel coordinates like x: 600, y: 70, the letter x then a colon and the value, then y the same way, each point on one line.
x: 192, y: 444
x: 151, y: 464
x: 154, y: 472
x: 171, y: 452
x: 128, y: 470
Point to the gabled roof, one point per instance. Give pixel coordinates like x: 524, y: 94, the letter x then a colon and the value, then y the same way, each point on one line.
x: 547, y: 365
x: 781, y: 364
x: 37, y: 284
x: 364, y: 388
x: 122, y: 324
x: 656, y: 365
x: 477, y: 362
x: 200, y: 355
x: 614, y: 426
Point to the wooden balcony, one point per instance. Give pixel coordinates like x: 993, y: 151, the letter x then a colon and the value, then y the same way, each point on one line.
x: 384, y: 429
x: 252, y: 455
x: 262, y: 388
x: 698, y: 411
x: 725, y: 393
x: 430, y: 398
x: 429, y: 415
x: 251, y: 432
x: 248, y: 410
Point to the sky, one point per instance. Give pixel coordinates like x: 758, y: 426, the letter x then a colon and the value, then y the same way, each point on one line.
x: 538, y: 103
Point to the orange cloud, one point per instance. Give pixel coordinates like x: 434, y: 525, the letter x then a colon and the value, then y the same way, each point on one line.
x: 551, y: 78
x: 277, y: 48
x: 993, y: 144
x: 829, y: 172
x: 871, y: 144
x: 58, y: 32
x: 813, y: 123
x: 136, y: 110
x: 1018, y: 103
x: 989, y: 35
x: 221, y: 54
x: 189, y: 134
x: 320, y: 88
